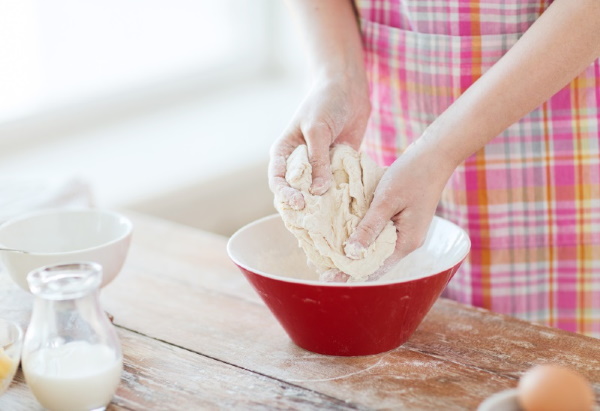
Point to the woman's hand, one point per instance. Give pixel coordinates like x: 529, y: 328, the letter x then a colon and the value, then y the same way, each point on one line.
x: 337, y: 107
x: 335, y: 110
x: 557, y: 47
x: 407, y: 194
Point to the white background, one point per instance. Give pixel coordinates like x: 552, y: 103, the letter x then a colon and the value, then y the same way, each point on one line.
x: 147, y: 101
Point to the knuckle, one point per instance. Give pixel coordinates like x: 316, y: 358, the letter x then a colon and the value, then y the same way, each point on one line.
x: 320, y: 129
x: 385, y: 208
x: 277, y: 148
x: 274, y: 184
x: 277, y: 163
x: 383, y: 203
x: 319, y: 164
x: 366, y: 232
x: 274, y: 149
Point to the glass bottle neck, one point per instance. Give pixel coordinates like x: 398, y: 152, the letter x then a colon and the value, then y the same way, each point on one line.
x: 65, y: 281
x: 86, y: 302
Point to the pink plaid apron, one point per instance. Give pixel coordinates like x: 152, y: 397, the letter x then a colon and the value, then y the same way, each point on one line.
x: 530, y: 200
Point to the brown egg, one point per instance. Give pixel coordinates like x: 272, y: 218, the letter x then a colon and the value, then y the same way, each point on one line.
x: 555, y: 388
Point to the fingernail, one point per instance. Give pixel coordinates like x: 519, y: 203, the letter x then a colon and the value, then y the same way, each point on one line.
x: 354, y: 250
x: 296, y: 201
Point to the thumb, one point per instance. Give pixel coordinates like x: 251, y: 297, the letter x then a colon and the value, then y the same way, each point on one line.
x: 366, y: 231
x: 318, y: 140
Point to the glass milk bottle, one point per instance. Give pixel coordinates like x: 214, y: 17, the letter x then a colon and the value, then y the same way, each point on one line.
x: 71, y: 357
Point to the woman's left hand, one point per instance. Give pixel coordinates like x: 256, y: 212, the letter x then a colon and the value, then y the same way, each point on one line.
x: 408, y: 195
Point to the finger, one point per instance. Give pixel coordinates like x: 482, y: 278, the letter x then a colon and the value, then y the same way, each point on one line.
x: 410, y: 238
x: 334, y: 276
x: 280, y: 186
x: 367, y: 231
x: 411, y: 231
x: 280, y: 151
x: 318, y: 140
x: 388, y: 264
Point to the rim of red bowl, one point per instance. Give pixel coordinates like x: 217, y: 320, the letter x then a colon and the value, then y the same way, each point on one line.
x: 334, y: 284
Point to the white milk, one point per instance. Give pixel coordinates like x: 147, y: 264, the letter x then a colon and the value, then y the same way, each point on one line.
x: 76, y: 376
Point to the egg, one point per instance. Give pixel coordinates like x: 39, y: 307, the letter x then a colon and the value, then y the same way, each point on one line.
x: 554, y: 388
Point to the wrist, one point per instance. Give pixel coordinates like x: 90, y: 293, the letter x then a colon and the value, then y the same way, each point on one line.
x: 439, y: 162
x: 347, y: 74
x: 448, y: 141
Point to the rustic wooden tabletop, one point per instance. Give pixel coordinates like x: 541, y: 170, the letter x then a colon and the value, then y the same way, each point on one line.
x: 196, y: 336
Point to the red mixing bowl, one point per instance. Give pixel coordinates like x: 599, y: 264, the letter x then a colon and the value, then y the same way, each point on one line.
x: 339, y: 318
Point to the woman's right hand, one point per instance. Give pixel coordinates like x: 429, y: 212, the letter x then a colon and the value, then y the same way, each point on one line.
x: 336, y: 110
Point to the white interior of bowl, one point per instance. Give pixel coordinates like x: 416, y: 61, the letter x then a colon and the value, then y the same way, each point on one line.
x: 268, y: 248
x: 59, y: 231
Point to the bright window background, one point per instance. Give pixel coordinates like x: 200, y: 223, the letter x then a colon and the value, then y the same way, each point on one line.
x: 60, y: 52
x: 165, y: 107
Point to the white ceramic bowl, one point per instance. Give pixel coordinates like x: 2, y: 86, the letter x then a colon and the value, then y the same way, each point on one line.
x: 65, y: 236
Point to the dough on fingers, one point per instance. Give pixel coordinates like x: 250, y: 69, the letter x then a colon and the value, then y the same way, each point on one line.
x: 326, y: 221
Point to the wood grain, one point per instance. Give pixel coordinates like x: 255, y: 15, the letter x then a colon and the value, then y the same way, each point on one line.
x: 220, y: 315
x: 244, y: 333
x: 189, y: 320
x: 161, y: 376
x: 502, y: 344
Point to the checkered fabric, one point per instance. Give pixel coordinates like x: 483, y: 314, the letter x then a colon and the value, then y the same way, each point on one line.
x: 530, y: 200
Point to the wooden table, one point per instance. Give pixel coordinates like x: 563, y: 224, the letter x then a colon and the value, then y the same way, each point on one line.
x: 196, y: 336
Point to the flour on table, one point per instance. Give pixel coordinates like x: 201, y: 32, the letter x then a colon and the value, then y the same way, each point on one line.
x: 326, y: 221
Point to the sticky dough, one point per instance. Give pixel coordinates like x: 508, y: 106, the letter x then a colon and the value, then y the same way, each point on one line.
x: 326, y: 221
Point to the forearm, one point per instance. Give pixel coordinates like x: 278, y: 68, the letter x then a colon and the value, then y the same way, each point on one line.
x: 331, y: 35
x: 557, y: 48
